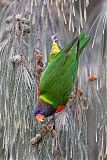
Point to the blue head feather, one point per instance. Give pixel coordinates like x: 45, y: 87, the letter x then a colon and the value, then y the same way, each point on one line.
x: 36, y: 110
x: 46, y: 110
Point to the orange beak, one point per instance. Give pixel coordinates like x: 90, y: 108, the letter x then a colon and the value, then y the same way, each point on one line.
x: 40, y: 117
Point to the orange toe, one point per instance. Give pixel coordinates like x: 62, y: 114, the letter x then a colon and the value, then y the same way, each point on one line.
x: 79, y: 91
x: 92, y: 78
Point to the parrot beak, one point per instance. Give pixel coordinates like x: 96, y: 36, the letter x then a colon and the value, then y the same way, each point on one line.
x: 40, y: 117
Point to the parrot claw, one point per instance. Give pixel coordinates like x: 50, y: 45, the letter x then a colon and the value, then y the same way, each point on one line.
x: 79, y: 92
x: 92, y: 78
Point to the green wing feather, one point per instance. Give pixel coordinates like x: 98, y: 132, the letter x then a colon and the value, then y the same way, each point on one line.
x: 58, y: 79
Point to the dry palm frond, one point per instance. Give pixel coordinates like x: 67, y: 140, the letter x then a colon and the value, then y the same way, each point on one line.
x: 18, y: 87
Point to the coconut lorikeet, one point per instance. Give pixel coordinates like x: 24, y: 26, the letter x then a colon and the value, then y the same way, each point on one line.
x: 59, y: 77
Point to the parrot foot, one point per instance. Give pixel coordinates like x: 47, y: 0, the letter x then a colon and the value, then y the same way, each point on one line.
x: 79, y: 92
x: 39, y: 63
x: 92, y: 78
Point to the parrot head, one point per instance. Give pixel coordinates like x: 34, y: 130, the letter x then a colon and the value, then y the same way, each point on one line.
x: 41, y: 113
x: 37, y: 113
x: 43, y: 110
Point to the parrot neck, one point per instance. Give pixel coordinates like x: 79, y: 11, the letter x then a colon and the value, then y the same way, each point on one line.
x: 45, y: 99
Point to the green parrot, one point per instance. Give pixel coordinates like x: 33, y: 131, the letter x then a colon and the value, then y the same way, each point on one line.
x: 58, y: 79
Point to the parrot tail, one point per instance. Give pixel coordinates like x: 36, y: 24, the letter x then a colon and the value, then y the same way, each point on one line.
x: 81, y: 43
x: 78, y: 49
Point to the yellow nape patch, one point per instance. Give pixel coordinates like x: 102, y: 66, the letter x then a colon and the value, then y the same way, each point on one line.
x: 55, y: 48
x: 45, y: 99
